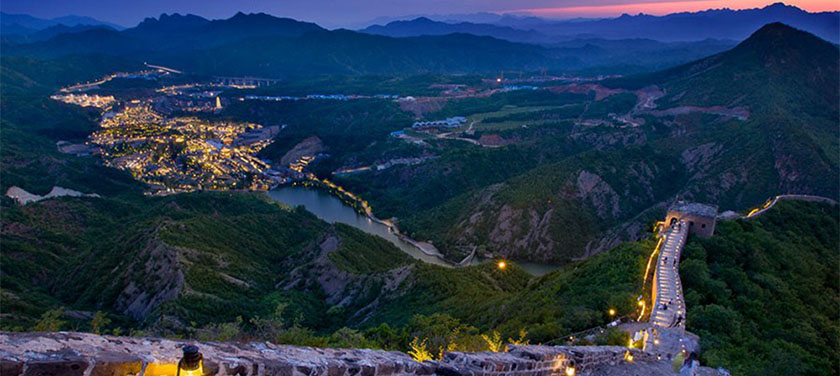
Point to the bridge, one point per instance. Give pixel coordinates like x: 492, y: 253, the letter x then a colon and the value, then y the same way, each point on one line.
x: 246, y: 81
x: 162, y: 68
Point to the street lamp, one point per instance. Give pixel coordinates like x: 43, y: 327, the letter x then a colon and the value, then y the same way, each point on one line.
x: 191, y: 363
x: 501, y: 265
x: 612, y: 312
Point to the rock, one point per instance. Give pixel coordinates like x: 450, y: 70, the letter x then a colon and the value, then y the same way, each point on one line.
x: 116, y: 364
x: 11, y: 367
x: 56, y: 367
x: 84, y: 354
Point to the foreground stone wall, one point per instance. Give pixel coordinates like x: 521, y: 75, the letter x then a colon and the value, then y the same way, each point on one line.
x: 539, y: 360
x: 85, y: 354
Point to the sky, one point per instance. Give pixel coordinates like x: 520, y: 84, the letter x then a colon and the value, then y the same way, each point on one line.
x: 349, y: 13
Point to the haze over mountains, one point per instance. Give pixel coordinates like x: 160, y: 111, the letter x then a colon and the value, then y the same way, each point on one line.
x: 260, y: 44
x: 23, y: 24
x: 688, y: 26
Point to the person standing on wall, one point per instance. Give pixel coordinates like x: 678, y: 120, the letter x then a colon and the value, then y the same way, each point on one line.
x: 690, y: 365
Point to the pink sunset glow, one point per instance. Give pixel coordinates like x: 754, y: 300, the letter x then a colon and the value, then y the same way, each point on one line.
x: 666, y: 7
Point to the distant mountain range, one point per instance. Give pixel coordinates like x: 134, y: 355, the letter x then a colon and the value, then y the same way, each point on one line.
x: 263, y: 45
x: 23, y: 24
x: 480, y: 17
x: 687, y: 26
x: 425, y: 26
x: 268, y: 46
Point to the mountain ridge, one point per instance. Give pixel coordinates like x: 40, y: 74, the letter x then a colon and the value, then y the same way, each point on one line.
x: 27, y: 24
x: 683, y: 26
x: 425, y: 26
x: 713, y: 23
x: 785, y: 143
x: 263, y: 42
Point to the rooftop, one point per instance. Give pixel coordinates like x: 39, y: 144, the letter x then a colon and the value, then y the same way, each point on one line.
x: 694, y: 208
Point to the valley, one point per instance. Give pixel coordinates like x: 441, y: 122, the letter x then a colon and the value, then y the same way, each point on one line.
x: 480, y: 194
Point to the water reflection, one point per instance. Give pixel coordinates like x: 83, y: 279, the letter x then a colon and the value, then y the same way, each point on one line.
x: 330, y: 209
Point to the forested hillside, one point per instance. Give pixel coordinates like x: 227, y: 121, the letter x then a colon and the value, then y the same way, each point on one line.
x: 763, y: 293
x: 730, y: 130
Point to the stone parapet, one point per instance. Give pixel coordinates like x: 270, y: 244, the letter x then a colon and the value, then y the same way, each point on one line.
x: 85, y: 354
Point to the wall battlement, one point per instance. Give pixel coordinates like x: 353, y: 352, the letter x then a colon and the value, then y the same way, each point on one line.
x: 85, y: 354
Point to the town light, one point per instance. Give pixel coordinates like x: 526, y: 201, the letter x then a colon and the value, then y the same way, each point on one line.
x: 191, y: 363
x: 501, y: 265
x: 570, y: 371
x: 612, y: 311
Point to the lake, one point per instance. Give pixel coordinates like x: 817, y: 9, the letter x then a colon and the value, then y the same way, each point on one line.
x: 331, y: 209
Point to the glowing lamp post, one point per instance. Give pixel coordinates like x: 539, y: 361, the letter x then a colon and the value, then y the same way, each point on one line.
x: 612, y: 312
x: 191, y: 363
x: 501, y: 265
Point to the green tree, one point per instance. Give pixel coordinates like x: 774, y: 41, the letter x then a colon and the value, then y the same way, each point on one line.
x: 50, y: 321
x: 270, y: 328
x: 418, y: 350
x: 494, y: 341
x: 223, y: 332
x: 346, y: 337
x: 99, y: 322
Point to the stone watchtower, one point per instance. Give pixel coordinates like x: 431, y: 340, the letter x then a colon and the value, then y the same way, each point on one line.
x: 699, y: 217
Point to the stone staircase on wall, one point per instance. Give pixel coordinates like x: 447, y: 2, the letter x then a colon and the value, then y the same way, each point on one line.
x: 668, y: 288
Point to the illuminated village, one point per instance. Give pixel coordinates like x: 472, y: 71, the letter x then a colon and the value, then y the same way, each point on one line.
x: 176, y: 153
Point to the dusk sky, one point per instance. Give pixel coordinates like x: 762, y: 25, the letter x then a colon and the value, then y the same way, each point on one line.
x: 344, y: 13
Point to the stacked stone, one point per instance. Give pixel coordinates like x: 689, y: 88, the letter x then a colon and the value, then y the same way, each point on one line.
x: 84, y: 354
x: 539, y: 360
x: 498, y: 364
x: 587, y: 357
